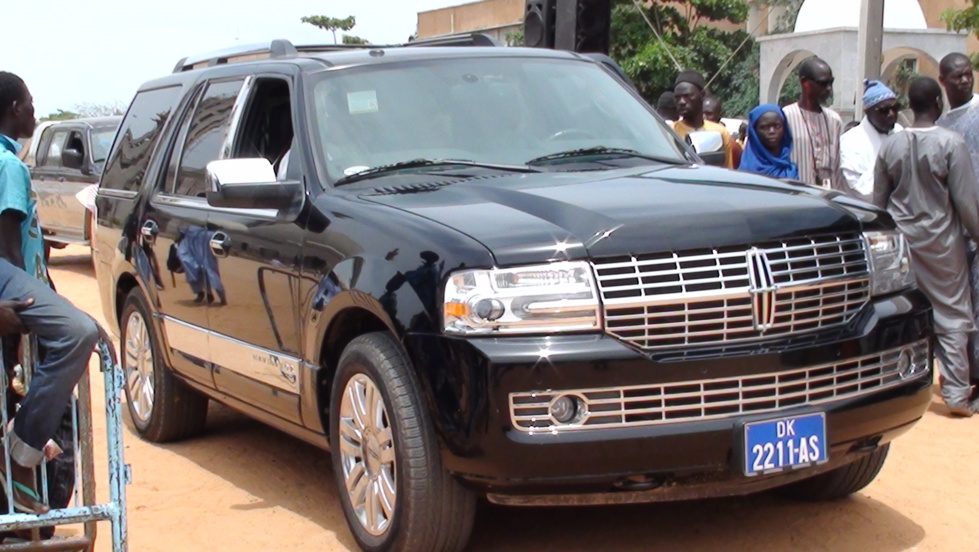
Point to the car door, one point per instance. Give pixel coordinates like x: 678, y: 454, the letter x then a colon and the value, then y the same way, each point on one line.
x: 255, y: 339
x: 71, y: 213
x: 174, y: 225
x: 47, y: 176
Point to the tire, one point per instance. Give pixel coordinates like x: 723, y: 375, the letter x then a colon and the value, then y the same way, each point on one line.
x: 840, y: 482
x: 431, y: 512
x: 174, y: 411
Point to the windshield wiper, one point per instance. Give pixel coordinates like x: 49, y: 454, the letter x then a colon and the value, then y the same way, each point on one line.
x: 423, y: 163
x: 605, y: 151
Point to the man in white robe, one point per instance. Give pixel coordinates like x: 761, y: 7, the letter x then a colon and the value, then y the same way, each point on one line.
x: 859, y: 146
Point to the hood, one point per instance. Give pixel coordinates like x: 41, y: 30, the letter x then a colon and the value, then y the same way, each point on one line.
x: 530, y: 218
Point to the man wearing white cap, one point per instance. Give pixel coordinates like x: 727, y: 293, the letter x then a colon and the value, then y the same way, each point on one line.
x: 859, y: 146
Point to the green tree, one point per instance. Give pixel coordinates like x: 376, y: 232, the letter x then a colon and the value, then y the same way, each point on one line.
x: 966, y: 19
x: 351, y: 39
x: 332, y: 24
x: 726, y: 58
x: 60, y: 115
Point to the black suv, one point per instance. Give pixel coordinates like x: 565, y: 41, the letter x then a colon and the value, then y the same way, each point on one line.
x: 495, y: 271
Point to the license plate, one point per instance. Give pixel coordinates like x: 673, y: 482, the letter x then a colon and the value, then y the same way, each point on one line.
x: 776, y: 445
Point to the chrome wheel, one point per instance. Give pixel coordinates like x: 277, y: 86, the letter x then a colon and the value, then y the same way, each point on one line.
x: 367, y: 454
x: 138, y: 366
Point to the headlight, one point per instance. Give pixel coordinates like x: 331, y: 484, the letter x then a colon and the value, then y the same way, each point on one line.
x: 533, y: 299
x: 890, y: 262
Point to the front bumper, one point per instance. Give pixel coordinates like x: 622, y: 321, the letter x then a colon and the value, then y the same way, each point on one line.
x: 468, y: 383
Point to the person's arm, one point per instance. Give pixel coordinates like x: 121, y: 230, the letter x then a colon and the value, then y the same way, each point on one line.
x: 728, y: 149
x: 962, y: 187
x: 10, y: 322
x: 10, y: 238
x: 15, y: 185
x: 858, y: 178
x: 882, y: 181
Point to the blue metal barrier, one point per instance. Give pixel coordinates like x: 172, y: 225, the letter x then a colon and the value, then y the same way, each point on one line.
x: 86, y: 510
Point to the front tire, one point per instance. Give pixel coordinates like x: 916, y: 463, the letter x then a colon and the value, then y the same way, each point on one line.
x: 842, y: 481
x: 395, y: 494
x: 162, y: 407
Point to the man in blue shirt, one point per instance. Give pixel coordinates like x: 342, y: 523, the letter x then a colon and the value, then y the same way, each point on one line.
x: 66, y: 335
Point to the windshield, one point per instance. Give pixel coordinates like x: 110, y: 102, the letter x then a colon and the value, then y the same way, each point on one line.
x: 101, y: 142
x: 488, y: 110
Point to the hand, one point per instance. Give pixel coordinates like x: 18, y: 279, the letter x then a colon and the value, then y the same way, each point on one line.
x: 10, y: 323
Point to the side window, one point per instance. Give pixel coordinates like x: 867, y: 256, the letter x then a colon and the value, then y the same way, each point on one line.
x: 266, y: 129
x: 52, y: 154
x: 205, y: 136
x: 138, y: 135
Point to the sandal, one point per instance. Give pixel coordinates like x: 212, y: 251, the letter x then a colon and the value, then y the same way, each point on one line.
x: 26, y: 498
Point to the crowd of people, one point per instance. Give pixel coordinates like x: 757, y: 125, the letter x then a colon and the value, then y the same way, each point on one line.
x: 924, y: 174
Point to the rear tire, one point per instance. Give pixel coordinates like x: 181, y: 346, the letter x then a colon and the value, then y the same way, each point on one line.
x: 162, y: 407
x: 392, y: 436
x: 840, y: 482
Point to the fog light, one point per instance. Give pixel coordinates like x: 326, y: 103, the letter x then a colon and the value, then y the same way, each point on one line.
x: 489, y: 309
x: 905, y: 365
x: 564, y: 409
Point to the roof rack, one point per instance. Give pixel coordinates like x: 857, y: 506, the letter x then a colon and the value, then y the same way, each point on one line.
x: 281, y: 48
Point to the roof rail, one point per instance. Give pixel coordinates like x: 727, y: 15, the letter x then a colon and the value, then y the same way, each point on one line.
x: 279, y: 48
x: 468, y: 39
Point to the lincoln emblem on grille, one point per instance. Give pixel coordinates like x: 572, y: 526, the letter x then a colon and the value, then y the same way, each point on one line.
x: 762, y: 289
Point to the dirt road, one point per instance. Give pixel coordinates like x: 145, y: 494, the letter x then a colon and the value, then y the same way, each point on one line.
x: 244, y: 487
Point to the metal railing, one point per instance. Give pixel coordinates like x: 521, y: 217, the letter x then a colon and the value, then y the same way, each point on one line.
x: 34, y: 532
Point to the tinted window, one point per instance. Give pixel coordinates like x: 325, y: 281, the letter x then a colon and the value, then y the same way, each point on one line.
x: 205, y: 137
x: 52, y: 154
x: 138, y: 136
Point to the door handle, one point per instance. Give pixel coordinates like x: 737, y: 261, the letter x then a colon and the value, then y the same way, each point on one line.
x: 220, y: 244
x: 61, y: 179
x: 149, y: 231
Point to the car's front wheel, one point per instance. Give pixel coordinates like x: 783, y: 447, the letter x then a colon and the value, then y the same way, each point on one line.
x: 842, y: 481
x: 395, y: 494
x: 162, y: 407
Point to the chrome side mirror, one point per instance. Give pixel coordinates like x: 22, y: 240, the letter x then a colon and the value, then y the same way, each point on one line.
x: 249, y: 184
x: 709, y: 145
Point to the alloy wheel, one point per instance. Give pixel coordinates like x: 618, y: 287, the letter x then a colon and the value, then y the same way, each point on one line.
x: 138, y: 366
x: 367, y: 454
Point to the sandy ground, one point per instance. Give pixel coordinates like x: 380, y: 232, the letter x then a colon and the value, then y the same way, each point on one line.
x: 245, y: 487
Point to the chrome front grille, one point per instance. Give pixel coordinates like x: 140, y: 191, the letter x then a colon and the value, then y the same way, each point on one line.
x: 693, y: 400
x: 711, y: 297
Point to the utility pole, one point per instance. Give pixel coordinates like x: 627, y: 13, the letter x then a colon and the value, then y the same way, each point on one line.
x: 870, y: 38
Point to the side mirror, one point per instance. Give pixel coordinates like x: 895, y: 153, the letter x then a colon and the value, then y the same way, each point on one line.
x: 72, y: 159
x: 709, y: 145
x: 249, y: 184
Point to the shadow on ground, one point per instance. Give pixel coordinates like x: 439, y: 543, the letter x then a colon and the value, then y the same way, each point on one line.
x: 298, y: 477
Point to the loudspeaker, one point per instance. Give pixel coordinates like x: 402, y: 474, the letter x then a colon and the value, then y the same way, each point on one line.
x: 583, y: 25
x: 539, y: 23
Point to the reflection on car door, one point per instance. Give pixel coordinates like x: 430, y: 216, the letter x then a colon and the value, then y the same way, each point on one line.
x: 176, y: 218
x: 71, y: 214
x: 256, y: 343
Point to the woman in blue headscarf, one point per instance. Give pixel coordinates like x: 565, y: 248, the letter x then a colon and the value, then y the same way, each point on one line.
x: 769, y: 144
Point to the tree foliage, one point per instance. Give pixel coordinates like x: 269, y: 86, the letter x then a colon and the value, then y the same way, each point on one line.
x: 60, y: 115
x: 332, y: 24
x: 966, y: 19
x: 728, y: 59
x: 351, y: 39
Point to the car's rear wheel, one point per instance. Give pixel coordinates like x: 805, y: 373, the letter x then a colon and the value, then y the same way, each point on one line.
x: 395, y: 494
x: 840, y: 482
x: 162, y: 407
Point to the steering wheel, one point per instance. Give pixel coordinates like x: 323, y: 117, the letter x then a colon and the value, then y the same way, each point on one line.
x: 569, y: 133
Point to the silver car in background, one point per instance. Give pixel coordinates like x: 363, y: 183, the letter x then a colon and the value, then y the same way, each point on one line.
x: 70, y: 156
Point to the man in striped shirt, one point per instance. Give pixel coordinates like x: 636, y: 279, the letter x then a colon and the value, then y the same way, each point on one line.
x: 816, y: 130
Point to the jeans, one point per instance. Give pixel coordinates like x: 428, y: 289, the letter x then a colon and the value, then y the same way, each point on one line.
x: 68, y: 337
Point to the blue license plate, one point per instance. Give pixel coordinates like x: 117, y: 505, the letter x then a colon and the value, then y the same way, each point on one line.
x: 776, y: 445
